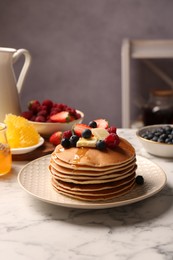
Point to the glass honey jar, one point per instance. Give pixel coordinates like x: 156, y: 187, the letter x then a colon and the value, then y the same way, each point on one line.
x: 159, y: 108
x: 5, y: 154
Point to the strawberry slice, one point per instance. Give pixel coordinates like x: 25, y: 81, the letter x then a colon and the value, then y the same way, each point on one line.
x: 61, y: 117
x: 102, y: 123
x: 56, y: 138
x: 79, y: 128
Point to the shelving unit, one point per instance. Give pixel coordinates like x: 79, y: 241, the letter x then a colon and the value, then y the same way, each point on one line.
x: 144, y: 50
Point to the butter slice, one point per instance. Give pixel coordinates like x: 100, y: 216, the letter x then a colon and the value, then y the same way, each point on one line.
x: 100, y: 133
x: 83, y: 142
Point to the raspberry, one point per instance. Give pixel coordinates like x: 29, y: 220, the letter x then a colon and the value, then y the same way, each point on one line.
x: 112, y: 140
x: 112, y: 129
x: 40, y: 119
x: 72, y: 111
x: 54, y: 111
x: 48, y: 103
x: 78, y: 116
x: 42, y: 113
x: 34, y: 106
x: 27, y: 114
x: 67, y: 134
x: 62, y: 107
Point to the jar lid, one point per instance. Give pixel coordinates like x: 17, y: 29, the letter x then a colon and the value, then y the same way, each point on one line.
x: 162, y: 93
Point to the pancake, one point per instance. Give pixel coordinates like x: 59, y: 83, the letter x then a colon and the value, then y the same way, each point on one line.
x: 93, y: 188
x: 90, y: 171
x: 77, y: 167
x: 104, y: 196
x: 89, y: 174
x: 96, y: 158
x: 92, y: 179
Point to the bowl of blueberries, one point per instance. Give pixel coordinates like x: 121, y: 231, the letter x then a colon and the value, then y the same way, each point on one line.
x: 157, y: 139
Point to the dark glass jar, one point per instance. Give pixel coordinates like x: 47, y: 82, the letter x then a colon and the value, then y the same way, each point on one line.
x: 159, y: 108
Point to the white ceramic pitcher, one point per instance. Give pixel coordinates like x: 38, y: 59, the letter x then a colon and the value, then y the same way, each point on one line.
x: 9, y: 87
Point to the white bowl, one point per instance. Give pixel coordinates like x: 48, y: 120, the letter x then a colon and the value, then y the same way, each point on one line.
x: 27, y: 149
x: 152, y: 147
x: 45, y: 129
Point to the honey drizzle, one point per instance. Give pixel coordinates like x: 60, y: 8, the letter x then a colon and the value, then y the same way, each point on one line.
x: 81, y: 152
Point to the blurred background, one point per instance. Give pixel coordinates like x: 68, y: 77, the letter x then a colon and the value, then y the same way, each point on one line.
x: 76, y: 50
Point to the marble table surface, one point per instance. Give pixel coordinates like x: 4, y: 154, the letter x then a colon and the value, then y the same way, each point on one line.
x: 33, y: 229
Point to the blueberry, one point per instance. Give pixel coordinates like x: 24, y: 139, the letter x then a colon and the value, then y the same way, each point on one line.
x: 157, y: 134
x: 101, y: 145
x: 73, y: 140
x: 155, y: 138
x: 93, y: 124
x: 65, y: 143
x: 86, y: 133
x: 144, y: 135
x: 170, y: 136
x: 162, y: 134
x: 161, y: 140
x: 139, y: 180
x: 160, y: 130
x: 150, y: 136
x: 168, y: 129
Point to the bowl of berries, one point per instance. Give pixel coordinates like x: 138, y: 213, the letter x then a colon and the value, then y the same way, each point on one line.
x: 157, y: 139
x: 48, y: 116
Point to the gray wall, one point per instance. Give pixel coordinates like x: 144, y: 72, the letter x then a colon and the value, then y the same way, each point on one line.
x: 76, y: 47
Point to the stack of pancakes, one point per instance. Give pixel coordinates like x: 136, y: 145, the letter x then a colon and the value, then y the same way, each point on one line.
x: 93, y: 175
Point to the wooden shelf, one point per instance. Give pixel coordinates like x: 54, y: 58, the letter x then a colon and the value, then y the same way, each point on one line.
x: 141, y: 49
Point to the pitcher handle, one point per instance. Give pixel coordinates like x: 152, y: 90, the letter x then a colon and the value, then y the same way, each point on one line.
x: 25, y: 67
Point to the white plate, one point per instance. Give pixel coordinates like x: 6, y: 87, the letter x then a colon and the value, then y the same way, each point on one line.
x: 27, y: 149
x: 36, y: 180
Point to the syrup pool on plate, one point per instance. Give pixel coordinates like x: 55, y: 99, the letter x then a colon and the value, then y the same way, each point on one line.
x: 5, y: 153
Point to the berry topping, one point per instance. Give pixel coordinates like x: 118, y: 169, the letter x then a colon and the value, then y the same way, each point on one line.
x: 79, y: 128
x: 112, y: 140
x: 65, y: 143
x: 86, y: 133
x: 92, y: 124
x: 56, y: 138
x: 112, y: 129
x: 73, y: 140
x: 139, y: 180
x: 101, y: 145
x: 91, y: 135
x: 67, y: 134
x: 102, y: 123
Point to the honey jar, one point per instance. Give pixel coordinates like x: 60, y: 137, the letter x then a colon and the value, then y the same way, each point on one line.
x: 159, y: 108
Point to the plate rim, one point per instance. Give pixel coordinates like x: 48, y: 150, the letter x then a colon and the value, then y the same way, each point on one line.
x: 97, y: 205
x: 27, y: 149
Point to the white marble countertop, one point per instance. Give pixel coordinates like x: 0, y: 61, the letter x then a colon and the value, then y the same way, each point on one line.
x: 32, y: 229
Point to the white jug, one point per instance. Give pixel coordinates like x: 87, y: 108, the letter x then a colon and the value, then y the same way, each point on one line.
x: 9, y: 87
